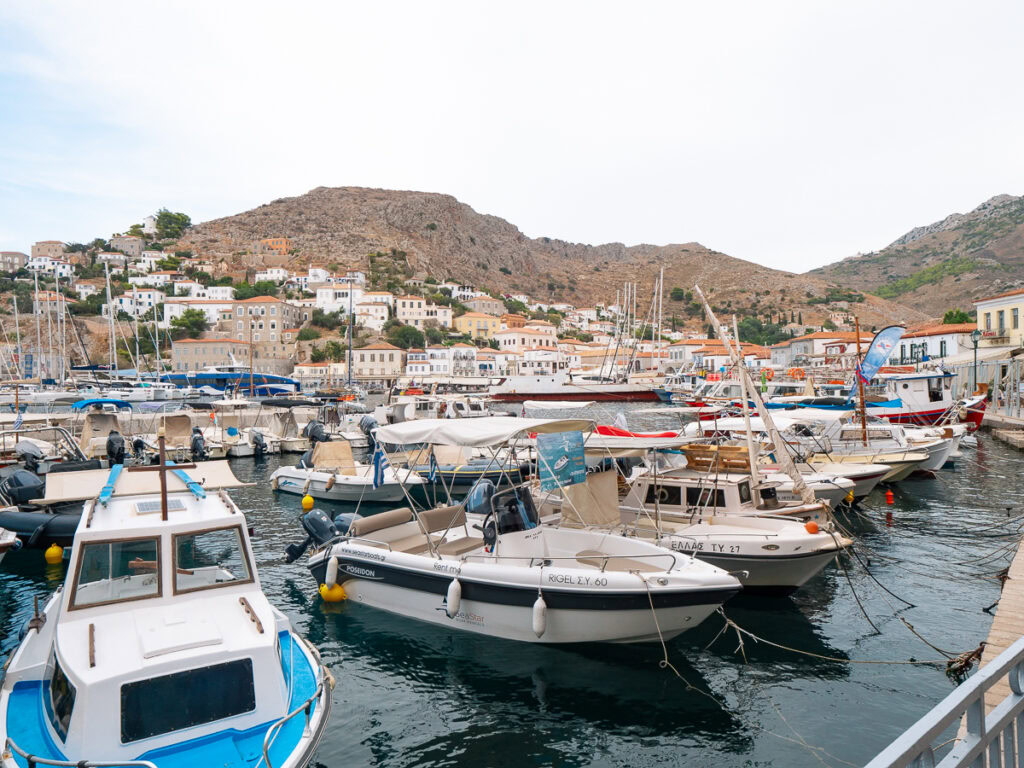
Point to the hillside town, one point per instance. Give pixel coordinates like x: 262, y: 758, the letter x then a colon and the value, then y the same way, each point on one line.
x: 298, y: 319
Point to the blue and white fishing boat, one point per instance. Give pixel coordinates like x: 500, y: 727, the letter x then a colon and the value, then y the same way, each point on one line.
x: 161, y: 648
x: 231, y: 378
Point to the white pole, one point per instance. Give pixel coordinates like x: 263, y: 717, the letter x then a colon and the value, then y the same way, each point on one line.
x: 110, y: 317
x: 751, y: 451
x: 39, y: 333
x: 17, y: 334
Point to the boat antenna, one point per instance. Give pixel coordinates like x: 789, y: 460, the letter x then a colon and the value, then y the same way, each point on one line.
x: 785, y: 461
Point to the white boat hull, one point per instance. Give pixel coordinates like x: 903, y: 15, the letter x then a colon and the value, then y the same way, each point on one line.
x: 344, y: 488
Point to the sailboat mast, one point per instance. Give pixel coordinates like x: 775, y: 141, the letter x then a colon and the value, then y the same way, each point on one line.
x: 39, y: 334
x: 17, y: 336
x: 860, y: 387
x: 112, y: 344
x: 348, y: 343
x: 251, y: 390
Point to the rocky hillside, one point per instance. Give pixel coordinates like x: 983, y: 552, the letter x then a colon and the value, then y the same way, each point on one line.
x: 947, y: 264
x: 436, y: 235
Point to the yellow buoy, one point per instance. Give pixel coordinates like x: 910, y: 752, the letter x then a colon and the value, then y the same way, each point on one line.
x: 307, y: 503
x: 849, y: 497
x: 54, y: 554
x: 333, y: 594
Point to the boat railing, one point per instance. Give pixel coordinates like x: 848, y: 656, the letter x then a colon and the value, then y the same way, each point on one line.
x: 306, y: 708
x: 355, y: 539
x: 997, y: 736
x: 576, y: 558
x: 36, y: 760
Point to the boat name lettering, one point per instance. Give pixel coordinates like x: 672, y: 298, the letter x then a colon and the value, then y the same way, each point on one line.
x: 586, y: 581
x: 379, y: 557
x: 446, y: 567
x: 355, y: 570
x: 687, y: 546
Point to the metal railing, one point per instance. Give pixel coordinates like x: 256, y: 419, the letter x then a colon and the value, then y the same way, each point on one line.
x: 34, y: 760
x: 305, y: 707
x: 992, y: 741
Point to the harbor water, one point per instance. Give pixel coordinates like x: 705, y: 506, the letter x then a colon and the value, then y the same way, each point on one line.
x: 411, y: 694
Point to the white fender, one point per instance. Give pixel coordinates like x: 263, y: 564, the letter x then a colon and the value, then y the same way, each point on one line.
x: 331, y: 577
x: 540, y: 616
x: 453, y: 599
x: 305, y: 488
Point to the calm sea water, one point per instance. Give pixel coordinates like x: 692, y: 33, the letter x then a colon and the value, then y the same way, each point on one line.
x: 411, y: 694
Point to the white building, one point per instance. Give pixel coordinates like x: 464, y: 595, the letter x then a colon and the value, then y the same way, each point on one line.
x: 934, y: 342
x: 149, y: 225
x: 336, y: 297
x: 214, y: 310
x: 136, y: 302
x: 379, y: 297
x: 371, y: 315
x: 50, y: 266
x: 274, y: 275
x: 417, y: 311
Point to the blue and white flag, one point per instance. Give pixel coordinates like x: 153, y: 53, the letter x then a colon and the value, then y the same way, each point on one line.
x: 380, y: 461
x: 432, y: 475
x: 19, y: 421
x: 882, y: 345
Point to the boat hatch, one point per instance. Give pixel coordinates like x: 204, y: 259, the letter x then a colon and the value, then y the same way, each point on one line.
x: 169, y: 634
x: 197, y: 696
x: 117, y: 571
x: 210, y: 559
x: 150, y: 507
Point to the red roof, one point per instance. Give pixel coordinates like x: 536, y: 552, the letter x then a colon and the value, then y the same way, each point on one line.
x: 939, y: 329
x: 379, y: 345
x: 1017, y: 292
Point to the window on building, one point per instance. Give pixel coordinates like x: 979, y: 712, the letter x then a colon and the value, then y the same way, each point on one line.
x: 988, y: 321
x: 942, y: 348
x: 1001, y: 319
x: 1015, y: 317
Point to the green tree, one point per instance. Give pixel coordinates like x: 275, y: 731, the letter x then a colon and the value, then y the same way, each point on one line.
x: 335, y: 350
x: 326, y: 320
x: 828, y: 325
x: 189, y: 324
x: 245, y: 291
x: 678, y: 294
x: 136, y: 230
x: 956, y: 317
x: 308, y: 334
x: 434, y: 335
x: 405, y: 336
x: 317, y: 355
x: 171, y: 225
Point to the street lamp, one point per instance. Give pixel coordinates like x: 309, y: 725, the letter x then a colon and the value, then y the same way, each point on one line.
x: 975, y: 338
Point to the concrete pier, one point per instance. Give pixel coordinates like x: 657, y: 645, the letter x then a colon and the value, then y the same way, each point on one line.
x: 1014, y: 437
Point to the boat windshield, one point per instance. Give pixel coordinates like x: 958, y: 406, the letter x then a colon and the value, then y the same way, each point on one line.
x: 209, y: 559
x: 514, y: 510
x: 115, y: 571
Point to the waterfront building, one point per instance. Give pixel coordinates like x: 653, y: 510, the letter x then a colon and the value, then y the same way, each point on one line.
x: 478, y: 325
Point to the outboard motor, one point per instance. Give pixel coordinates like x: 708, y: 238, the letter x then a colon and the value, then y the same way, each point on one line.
x: 259, y: 445
x: 320, y: 530
x: 306, y: 459
x: 198, y: 445
x: 344, y: 521
x: 139, y: 449
x: 20, y: 487
x: 366, y: 425
x: 30, y: 453
x: 115, y: 448
x: 316, y: 433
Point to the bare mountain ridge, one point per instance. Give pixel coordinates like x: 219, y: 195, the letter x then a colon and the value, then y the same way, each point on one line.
x: 445, y: 238
x: 947, y: 264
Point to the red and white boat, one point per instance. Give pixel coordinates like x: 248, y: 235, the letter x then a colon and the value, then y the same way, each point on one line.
x: 926, y: 398
x: 568, y: 386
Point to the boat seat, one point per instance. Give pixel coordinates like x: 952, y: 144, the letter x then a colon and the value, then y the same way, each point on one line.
x: 443, y: 518
x: 461, y: 546
x: 596, y: 558
x: 364, y: 526
x: 413, y: 545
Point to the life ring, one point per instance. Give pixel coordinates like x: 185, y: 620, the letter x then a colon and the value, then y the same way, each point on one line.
x: 769, y: 374
x: 798, y: 373
x: 213, y: 416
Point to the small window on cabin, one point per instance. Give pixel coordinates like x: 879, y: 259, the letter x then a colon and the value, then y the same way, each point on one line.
x: 115, y: 571
x: 744, y: 489
x: 208, y: 559
x: 664, y: 494
x: 174, y: 702
x: 705, y: 497
x: 61, y: 700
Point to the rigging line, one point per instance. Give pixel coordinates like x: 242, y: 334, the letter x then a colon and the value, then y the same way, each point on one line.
x: 842, y: 565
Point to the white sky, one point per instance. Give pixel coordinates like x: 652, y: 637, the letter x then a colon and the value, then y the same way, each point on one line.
x: 791, y: 134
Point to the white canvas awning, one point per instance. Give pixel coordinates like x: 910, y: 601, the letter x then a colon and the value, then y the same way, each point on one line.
x: 555, y: 405
x: 489, y: 431
x: 87, y: 484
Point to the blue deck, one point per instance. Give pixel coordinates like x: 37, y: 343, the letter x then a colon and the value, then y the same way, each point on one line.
x: 230, y: 748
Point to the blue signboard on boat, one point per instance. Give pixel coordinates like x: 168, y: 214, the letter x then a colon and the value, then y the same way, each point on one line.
x: 561, y: 459
x: 878, y: 353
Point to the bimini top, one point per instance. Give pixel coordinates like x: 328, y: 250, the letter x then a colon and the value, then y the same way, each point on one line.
x: 87, y: 484
x: 83, y: 404
x: 476, y: 433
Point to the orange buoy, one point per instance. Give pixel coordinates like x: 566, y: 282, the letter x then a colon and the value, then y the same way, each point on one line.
x: 889, y: 497
x: 811, y: 526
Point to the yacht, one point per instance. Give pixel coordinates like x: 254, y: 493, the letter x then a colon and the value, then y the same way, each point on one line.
x: 230, y: 378
x: 161, y: 648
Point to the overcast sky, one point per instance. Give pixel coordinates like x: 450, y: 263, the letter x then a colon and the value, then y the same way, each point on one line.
x: 790, y: 134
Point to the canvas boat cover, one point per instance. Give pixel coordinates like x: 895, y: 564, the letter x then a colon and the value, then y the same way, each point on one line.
x: 335, y: 456
x: 487, y: 431
x: 595, y: 502
x: 79, y: 486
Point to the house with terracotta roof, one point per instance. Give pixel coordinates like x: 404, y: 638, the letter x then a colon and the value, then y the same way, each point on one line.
x: 196, y: 354
x: 478, y: 325
x: 418, y: 312
x: 801, y: 349
x: 999, y: 319
x: 378, y: 362
x: 933, y: 341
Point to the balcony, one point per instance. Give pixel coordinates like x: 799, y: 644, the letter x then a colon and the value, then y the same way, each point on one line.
x: 996, y: 337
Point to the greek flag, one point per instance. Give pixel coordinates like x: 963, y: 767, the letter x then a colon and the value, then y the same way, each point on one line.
x: 432, y: 476
x: 19, y: 421
x: 380, y: 461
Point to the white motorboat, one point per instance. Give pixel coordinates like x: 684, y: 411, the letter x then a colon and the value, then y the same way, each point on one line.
x: 512, y: 577
x: 8, y: 541
x: 161, y: 649
x: 334, y: 475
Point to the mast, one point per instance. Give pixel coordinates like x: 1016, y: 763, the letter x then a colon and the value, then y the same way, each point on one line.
x: 110, y: 318
x: 250, y: 358
x: 751, y: 452
x: 39, y: 333
x: 860, y: 386
x: 17, y: 336
x: 348, y: 364
x: 49, y: 336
